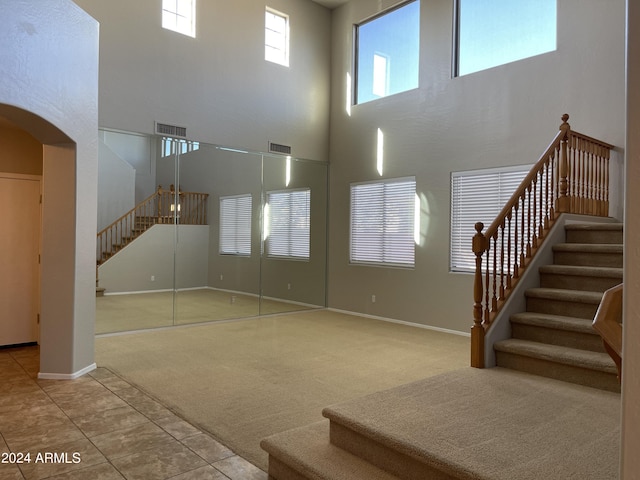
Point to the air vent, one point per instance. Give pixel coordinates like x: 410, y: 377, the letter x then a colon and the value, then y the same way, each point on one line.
x: 279, y: 148
x: 171, y: 130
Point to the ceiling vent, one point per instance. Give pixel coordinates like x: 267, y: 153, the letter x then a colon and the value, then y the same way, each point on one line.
x: 279, y: 148
x: 171, y: 130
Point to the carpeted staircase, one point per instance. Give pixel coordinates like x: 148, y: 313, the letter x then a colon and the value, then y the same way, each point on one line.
x: 534, y: 416
x: 492, y: 424
x: 555, y: 337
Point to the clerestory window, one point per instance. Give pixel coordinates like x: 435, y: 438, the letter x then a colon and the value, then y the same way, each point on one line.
x: 179, y: 16
x: 387, y: 53
x: 494, y: 32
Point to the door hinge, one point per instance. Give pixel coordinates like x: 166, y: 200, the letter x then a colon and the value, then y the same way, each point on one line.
x: 41, y: 199
x: 38, y: 319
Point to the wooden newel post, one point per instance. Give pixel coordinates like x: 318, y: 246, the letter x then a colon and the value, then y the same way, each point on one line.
x: 563, y: 167
x: 479, y: 245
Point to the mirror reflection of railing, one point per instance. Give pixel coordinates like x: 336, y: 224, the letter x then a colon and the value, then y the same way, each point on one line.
x: 571, y: 176
x: 158, y: 208
x: 608, y: 323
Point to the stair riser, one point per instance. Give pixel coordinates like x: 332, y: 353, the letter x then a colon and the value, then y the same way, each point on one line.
x: 594, y: 236
x: 567, y: 373
x: 575, y: 282
x: 559, y: 307
x: 588, y: 259
x: 281, y: 471
x: 564, y: 338
x: 383, y: 457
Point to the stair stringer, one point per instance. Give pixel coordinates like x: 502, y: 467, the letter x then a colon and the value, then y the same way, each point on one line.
x: 501, y: 327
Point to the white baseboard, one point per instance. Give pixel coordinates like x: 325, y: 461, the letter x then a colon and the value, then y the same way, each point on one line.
x: 67, y: 376
x: 402, y: 322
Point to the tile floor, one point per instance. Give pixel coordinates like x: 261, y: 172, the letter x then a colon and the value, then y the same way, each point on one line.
x: 99, y: 427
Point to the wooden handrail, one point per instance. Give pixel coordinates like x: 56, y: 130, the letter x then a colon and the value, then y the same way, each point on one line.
x: 571, y: 176
x: 162, y: 207
x: 608, y: 323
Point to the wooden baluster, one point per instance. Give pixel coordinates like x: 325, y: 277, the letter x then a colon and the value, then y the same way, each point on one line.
x: 543, y: 208
x: 528, y: 192
x: 598, y: 187
x: 477, y: 330
x: 502, y: 276
x: 534, y: 214
x: 522, y: 230
x: 605, y: 207
x: 487, y: 284
x: 579, y: 174
x: 494, y: 292
x: 516, y: 272
x: 563, y: 200
x: 509, y: 273
x: 573, y: 191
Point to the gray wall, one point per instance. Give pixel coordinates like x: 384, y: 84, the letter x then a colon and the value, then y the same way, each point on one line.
x: 149, y: 263
x: 49, y: 88
x: 502, y: 116
x: 116, y: 186
x: 218, y: 85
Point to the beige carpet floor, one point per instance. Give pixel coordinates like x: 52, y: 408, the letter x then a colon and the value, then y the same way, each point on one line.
x: 245, y: 380
x: 121, y: 313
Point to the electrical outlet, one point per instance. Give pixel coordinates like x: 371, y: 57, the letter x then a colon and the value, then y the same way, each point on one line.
x: 288, y: 286
x: 221, y: 277
x: 373, y: 299
x: 153, y: 278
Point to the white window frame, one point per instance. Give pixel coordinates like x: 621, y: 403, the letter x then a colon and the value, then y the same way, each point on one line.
x: 276, y: 37
x: 378, y: 235
x: 478, y: 196
x: 288, y: 224
x: 235, y: 225
x: 179, y: 16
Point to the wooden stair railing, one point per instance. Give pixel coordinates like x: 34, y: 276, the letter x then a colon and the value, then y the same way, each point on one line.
x: 608, y: 323
x: 571, y: 176
x: 158, y: 208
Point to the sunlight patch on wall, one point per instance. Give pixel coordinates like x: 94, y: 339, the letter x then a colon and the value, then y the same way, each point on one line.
x: 380, y: 152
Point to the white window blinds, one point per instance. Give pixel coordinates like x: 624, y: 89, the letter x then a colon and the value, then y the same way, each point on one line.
x: 289, y: 223
x: 235, y: 225
x: 478, y: 196
x: 383, y: 221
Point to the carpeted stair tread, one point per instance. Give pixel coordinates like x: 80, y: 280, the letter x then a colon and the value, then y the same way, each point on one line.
x: 556, y: 322
x: 613, y: 226
x: 308, y: 452
x: 492, y: 423
x: 563, y: 355
x: 583, y: 271
x: 565, y: 295
x: 588, y: 247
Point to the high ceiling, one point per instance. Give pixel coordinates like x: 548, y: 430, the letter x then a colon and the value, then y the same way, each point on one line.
x: 331, y: 4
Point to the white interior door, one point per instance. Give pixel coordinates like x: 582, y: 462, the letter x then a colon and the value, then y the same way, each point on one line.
x: 19, y: 263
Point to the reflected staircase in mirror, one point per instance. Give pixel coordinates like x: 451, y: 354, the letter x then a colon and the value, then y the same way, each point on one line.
x: 162, y: 207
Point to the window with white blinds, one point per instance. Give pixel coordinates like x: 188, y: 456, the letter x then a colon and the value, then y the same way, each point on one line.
x: 235, y: 225
x: 289, y: 223
x: 478, y: 196
x: 383, y: 222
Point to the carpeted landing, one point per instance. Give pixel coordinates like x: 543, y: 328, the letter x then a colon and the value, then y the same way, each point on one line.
x: 466, y: 424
